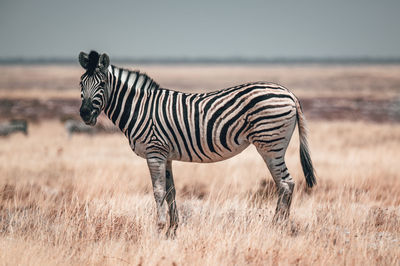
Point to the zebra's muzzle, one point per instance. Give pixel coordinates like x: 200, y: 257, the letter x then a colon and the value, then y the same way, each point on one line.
x: 89, y: 116
x: 91, y: 121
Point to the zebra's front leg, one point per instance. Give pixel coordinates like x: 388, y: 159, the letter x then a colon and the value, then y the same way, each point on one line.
x: 157, y: 167
x: 170, y: 196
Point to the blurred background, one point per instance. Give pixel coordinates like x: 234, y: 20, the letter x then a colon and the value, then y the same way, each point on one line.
x: 81, y: 193
x: 341, y: 58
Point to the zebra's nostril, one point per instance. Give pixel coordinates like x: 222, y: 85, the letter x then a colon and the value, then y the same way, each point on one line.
x: 85, y: 112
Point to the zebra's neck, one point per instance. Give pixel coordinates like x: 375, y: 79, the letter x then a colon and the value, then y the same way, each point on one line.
x: 127, y: 89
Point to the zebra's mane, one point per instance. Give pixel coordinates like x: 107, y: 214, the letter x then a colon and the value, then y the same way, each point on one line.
x: 93, y: 62
x: 138, y: 73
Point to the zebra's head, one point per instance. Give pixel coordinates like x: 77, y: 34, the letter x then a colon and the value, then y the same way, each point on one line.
x: 94, y: 85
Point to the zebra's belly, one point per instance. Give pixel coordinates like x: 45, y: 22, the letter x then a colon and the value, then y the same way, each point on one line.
x: 209, y: 157
x: 141, y: 150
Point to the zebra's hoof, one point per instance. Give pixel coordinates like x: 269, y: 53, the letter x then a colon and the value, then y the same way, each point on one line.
x: 280, y: 216
x: 171, y: 233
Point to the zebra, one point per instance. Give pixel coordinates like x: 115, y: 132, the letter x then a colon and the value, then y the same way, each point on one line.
x: 74, y: 126
x: 163, y: 125
x: 8, y: 128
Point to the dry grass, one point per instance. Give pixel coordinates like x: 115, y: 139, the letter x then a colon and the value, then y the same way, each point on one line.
x: 88, y: 200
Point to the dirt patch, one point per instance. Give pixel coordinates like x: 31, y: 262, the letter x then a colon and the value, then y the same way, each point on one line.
x: 335, y: 108
x: 36, y: 109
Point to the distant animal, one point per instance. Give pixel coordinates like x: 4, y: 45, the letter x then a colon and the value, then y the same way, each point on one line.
x: 12, y: 126
x: 74, y: 126
x: 164, y: 125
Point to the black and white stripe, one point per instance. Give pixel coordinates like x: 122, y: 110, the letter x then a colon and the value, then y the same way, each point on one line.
x: 204, y: 127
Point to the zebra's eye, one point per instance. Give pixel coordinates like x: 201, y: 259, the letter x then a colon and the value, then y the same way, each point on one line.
x: 102, y: 84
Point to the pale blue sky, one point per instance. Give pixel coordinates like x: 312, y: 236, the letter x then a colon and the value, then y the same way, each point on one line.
x: 55, y: 28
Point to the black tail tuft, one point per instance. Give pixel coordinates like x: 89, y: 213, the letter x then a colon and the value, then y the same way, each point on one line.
x: 305, y: 158
x: 307, y: 166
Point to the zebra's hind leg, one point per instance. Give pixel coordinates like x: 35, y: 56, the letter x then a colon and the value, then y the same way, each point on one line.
x: 284, y: 182
x: 157, y: 167
x: 271, y: 140
x: 170, y: 196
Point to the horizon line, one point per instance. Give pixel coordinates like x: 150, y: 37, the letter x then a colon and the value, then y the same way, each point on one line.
x: 211, y: 60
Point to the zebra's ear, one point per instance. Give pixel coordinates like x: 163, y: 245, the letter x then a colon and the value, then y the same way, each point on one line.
x: 104, y: 62
x: 84, y: 59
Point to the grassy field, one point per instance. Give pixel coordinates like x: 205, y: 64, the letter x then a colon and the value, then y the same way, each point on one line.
x: 88, y: 199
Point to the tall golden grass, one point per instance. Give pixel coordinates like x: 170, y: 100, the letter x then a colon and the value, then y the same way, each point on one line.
x: 88, y: 200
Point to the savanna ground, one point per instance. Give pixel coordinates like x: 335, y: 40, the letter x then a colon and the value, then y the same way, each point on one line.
x: 88, y: 199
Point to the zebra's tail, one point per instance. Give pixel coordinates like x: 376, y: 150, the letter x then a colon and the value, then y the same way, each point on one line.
x: 305, y: 158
